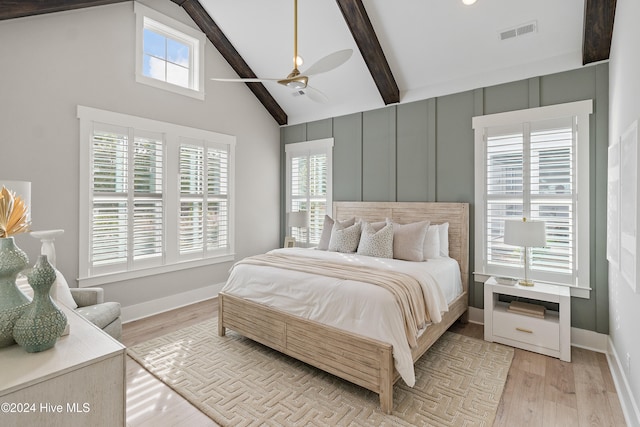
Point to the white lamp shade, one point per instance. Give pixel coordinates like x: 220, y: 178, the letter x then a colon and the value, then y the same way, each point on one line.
x: 525, y: 233
x: 298, y: 219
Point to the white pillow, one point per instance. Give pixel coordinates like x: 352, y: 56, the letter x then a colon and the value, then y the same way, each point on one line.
x: 343, y: 238
x: 444, y: 239
x: 60, y: 289
x: 431, y: 246
x: 376, y: 243
x: 408, y: 240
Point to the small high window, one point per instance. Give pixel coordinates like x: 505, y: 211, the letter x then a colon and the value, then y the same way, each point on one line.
x: 169, y: 54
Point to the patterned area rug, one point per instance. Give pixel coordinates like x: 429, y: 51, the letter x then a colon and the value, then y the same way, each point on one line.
x: 236, y: 381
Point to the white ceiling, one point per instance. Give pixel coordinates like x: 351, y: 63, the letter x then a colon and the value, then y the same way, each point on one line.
x: 434, y: 47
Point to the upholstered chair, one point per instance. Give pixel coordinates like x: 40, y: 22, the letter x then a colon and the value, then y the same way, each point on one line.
x: 88, y: 302
x: 91, y: 306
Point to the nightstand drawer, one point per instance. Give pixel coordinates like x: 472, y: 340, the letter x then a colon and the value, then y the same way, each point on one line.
x: 526, y: 329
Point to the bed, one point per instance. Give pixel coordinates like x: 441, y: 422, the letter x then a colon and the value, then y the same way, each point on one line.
x: 355, y: 357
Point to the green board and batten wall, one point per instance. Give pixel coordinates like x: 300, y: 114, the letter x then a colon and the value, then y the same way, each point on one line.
x: 424, y: 151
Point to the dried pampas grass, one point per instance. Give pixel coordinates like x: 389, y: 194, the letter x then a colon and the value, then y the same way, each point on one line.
x: 13, y: 214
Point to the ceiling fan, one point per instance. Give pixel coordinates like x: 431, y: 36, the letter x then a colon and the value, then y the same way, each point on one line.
x: 297, y: 81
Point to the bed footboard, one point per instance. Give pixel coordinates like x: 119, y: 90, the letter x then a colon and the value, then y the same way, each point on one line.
x: 360, y: 360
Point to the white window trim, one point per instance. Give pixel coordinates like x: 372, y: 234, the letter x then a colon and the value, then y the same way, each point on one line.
x: 310, y: 147
x: 198, y: 42
x: 581, y: 110
x: 173, y: 133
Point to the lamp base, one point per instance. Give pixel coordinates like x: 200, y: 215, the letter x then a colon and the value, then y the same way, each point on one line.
x: 524, y: 282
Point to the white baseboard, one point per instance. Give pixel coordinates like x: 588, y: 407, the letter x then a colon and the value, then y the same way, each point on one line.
x: 589, y: 340
x: 627, y: 400
x: 160, y: 305
x: 476, y: 315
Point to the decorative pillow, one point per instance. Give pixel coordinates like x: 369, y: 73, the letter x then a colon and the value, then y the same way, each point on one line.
x: 325, y: 237
x: 444, y: 239
x: 63, y: 294
x: 377, y: 226
x: 408, y: 240
x: 376, y: 243
x: 344, y: 238
x: 431, y: 246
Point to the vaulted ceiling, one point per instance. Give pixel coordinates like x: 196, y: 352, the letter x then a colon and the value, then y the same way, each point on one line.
x: 403, y: 50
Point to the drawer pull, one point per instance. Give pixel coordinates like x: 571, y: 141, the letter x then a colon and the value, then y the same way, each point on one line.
x: 528, y: 331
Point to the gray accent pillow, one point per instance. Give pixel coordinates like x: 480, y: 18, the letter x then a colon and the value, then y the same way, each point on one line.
x: 376, y: 243
x: 408, y: 240
x: 343, y: 238
x: 327, y: 227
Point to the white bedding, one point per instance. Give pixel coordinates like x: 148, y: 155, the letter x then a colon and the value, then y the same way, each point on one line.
x: 361, y: 308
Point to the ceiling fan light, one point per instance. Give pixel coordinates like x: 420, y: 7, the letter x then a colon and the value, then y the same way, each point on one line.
x: 299, y: 61
x: 295, y: 84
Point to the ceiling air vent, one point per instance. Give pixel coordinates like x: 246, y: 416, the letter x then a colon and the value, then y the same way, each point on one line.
x: 519, y: 31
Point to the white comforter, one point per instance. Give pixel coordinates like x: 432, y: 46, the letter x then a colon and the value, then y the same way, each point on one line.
x: 361, y: 308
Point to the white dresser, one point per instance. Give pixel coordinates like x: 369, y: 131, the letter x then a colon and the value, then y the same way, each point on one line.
x: 79, y: 382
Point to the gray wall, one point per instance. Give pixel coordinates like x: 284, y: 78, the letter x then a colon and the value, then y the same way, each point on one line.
x: 51, y: 63
x: 423, y: 151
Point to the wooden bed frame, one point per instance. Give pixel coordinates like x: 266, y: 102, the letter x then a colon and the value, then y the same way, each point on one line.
x: 360, y: 360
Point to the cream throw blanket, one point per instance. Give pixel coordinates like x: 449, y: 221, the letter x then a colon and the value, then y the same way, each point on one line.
x: 405, y: 288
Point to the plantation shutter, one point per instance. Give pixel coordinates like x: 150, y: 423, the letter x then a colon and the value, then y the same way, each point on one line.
x: 204, y: 198
x: 308, y: 189
x: 531, y: 172
x: 127, y: 200
x: 148, y: 209
x: 217, y: 198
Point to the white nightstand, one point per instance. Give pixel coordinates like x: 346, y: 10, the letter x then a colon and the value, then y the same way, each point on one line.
x: 550, y: 335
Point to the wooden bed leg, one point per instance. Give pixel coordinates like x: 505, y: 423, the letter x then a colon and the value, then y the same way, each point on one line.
x: 386, y: 380
x: 222, y: 331
x: 464, y: 318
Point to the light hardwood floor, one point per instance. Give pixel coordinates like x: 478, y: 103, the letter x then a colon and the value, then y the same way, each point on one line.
x: 540, y: 390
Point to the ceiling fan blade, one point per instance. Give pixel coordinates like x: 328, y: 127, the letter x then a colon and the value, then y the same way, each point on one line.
x: 329, y: 62
x: 315, y: 95
x: 248, y: 80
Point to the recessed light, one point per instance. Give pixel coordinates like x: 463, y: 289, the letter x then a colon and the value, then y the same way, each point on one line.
x: 468, y: 2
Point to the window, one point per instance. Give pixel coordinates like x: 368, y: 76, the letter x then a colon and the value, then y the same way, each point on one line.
x: 169, y: 54
x: 155, y: 197
x: 309, y: 186
x: 204, y: 194
x: 127, y: 201
x: 534, y: 164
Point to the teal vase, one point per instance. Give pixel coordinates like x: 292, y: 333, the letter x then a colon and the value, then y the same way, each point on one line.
x: 42, y: 322
x: 12, y: 301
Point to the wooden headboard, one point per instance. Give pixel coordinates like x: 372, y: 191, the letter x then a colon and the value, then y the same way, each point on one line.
x: 456, y: 214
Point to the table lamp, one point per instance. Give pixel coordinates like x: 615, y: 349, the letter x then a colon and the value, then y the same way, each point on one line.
x: 298, y: 219
x: 528, y: 234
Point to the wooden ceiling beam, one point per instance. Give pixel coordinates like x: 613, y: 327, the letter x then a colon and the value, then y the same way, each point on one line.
x: 204, y: 21
x: 363, y: 33
x: 19, y: 8
x: 598, y: 30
